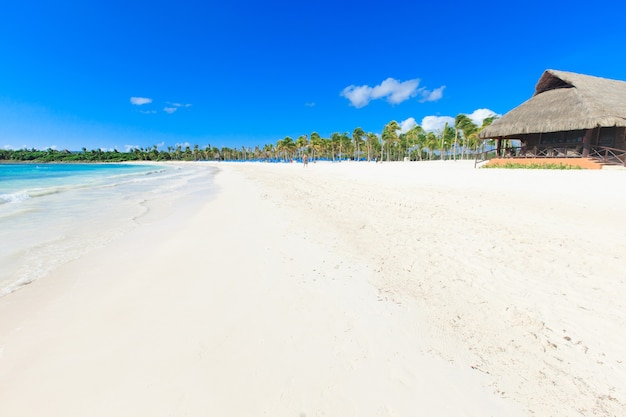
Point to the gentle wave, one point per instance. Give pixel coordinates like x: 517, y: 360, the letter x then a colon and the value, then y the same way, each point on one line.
x: 36, y: 192
x: 14, y: 197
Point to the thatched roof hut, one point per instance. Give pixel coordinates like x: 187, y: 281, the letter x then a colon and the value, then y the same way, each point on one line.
x: 564, y: 101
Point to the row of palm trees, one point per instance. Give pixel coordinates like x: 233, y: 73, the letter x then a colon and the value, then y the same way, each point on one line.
x: 459, y: 141
x: 452, y: 142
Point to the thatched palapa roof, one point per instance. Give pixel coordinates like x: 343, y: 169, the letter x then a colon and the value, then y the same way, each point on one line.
x: 564, y: 101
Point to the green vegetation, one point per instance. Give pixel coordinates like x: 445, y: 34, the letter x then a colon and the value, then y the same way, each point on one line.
x: 513, y: 165
x: 97, y: 155
x: 453, y: 142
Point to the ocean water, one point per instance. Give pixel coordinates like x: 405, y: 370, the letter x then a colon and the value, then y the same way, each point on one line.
x: 51, y: 214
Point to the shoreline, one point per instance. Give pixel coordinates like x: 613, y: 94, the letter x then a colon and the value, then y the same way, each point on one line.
x: 338, y: 289
x: 70, y: 215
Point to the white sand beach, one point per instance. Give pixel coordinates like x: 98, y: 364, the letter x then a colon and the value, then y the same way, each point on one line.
x: 340, y: 289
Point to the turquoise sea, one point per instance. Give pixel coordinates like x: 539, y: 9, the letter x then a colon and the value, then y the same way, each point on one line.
x: 51, y: 214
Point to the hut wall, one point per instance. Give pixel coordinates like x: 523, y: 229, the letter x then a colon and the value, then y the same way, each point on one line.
x: 607, y: 136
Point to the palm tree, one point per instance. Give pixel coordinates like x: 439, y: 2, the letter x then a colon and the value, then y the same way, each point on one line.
x: 411, y: 139
x: 447, y: 139
x: 432, y: 143
x: 469, y: 129
x: 357, y: 137
x: 154, y: 153
x: 390, y: 136
x: 268, y: 152
x: 327, y: 148
x: 344, y: 144
x: 335, y: 144
x: 372, y: 140
x: 302, y: 144
x: 279, y: 147
x: 317, y: 144
x: 287, y: 146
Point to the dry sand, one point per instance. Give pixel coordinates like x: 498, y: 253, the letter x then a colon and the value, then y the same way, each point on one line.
x: 351, y: 289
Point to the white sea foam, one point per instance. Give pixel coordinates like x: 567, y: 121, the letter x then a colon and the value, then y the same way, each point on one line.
x: 14, y: 197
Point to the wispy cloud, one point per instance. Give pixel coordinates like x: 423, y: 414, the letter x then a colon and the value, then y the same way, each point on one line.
x: 169, y: 108
x: 179, y: 104
x: 433, y: 95
x: 139, y: 101
x: 173, y: 107
x: 392, y: 90
x: 130, y: 147
x: 310, y: 104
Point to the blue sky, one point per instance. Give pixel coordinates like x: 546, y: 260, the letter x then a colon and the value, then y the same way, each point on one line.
x: 113, y: 74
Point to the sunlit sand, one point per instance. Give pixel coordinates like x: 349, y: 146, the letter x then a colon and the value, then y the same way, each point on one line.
x: 340, y: 289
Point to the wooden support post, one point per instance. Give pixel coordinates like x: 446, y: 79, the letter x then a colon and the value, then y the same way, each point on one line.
x: 587, y: 142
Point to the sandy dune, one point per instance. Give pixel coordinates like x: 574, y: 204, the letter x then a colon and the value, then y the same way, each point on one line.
x: 351, y: 289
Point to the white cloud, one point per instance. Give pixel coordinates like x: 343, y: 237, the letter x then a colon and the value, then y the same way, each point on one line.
x: 394, y: 91
x: 170, y: 110
x: 435, y: 123
x: 433, y: 95
x: 147, y: 111
x: 358, y: 96
x: 183, y: 145
x: 8, y: 147
x: 160, y: 145
x: 140, y: 100
x: 479, y: 115
x: 407, y: 124
x: 310, y: 104
x: 130, y: 147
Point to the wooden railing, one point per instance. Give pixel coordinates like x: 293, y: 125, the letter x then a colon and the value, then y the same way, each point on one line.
x: 603, y: 154
x: 608, y: 155
x: 549, y: 151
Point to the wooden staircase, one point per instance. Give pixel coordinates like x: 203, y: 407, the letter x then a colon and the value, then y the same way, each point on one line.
x: 608, y: 156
